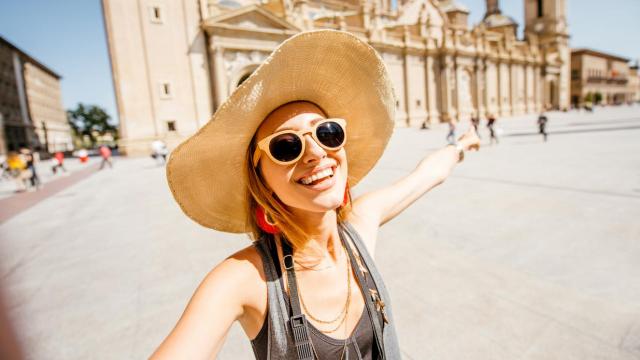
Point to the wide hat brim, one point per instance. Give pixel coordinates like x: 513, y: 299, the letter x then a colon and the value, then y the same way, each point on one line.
x: 332, y: 69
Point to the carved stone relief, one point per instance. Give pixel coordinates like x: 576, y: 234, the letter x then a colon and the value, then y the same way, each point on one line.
x: 236, y: 60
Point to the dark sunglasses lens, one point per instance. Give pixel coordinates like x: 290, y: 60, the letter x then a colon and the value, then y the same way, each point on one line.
x: 285, y: 147
x: 330, y: 134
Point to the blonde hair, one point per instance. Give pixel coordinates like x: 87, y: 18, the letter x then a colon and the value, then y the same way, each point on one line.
x: 259, y: 194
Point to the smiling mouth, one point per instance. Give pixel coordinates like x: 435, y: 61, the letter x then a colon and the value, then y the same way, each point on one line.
x: 318, y: 177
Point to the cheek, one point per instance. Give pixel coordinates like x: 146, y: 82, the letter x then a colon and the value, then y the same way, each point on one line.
x: 276, y: 177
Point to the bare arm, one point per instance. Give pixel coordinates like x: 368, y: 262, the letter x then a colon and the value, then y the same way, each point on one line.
x: 375, y: 208
x: 216, y: 304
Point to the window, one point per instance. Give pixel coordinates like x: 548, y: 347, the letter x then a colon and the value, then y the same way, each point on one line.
x: 575, y: 75
x: 171, y: 126
x: 418, y: 103
x: 156, y: 14
x: 397, y: 104
x: 540, y: 9
x: 165, y: 90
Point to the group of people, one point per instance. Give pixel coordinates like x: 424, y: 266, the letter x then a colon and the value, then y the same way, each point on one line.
x: 493, y: 132
x: 20, y: 167
x: 475, y: 122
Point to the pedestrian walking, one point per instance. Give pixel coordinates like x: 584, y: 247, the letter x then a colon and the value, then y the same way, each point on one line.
x: 542, y: 125
x: 105, y: 153
x: 17, y: 167
x: 491, y: 122
x: 83, y: 155
x: 5, y: 173
x: 308, y: 287
x: 58, y: 162
x: 475, y: 121
x: 159, y: 151
x: 451, y: 135
x: 30, y: 160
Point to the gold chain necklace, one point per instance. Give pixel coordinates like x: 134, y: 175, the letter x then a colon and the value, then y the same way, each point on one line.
x: 342, y: 316
x: 313, y: 268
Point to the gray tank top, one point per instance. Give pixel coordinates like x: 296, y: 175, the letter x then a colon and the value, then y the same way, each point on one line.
x: 274, y: 341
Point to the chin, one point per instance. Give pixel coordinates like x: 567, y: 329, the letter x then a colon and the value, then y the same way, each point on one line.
x: 322, y: 203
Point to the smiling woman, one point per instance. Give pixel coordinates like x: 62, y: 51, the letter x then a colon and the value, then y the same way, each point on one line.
x: 277, y: 161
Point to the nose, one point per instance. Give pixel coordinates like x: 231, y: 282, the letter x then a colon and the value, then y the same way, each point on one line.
x: 313, y: 152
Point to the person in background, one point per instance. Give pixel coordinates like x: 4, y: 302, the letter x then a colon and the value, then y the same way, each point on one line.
x: 491, y: 121
x: 30, y: 160
x: 105, y: 152
x: 159, y: 151
x: 451, y: 135
x: 17, y: 169
x: 475, y: 121
x: 4, y: 168
x: 542, y: 125
x: 83, y: 155
x: 58, y: 162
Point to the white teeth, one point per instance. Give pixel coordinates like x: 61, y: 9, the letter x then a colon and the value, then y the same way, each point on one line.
x: 319, y: 175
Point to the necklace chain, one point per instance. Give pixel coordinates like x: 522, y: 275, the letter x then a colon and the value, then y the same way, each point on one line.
x: 342, y: 316
x: 313, y: 268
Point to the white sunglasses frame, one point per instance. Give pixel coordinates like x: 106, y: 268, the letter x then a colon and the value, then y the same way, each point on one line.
x: 263, y: 145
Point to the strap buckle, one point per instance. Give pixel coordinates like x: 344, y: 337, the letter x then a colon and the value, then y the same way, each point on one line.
x: 298, y: 321
x: 288, y: 262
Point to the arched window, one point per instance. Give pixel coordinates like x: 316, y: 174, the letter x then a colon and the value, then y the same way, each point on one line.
x: 243, y: 78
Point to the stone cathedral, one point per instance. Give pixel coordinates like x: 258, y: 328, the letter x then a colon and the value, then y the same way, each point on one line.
x: 175, y: 61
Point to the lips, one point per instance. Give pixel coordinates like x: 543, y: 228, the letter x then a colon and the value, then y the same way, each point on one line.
x: 315, y: 171
x: 319, y: 179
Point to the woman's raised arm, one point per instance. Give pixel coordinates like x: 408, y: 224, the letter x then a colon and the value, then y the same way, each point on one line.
x: 375, y: 208
x: 221, y: 298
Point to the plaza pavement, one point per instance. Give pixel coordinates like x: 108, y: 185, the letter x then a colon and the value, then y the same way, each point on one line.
x: 530, y: 250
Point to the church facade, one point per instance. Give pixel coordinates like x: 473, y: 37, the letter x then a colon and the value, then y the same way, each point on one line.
x: 175, y: 61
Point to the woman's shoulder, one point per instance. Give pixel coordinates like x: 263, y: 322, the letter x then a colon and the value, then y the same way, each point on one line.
x: 365, y: 229
x: 243, y: 265
x: 240, y: 276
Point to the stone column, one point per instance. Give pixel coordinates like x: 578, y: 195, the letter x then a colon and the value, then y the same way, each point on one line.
x: 219, y: 76
x: 538, y: 86
x: 455, y: 99
x: 405, y: 77
x: 446, y: 68
x: 481, y: 84
x: 431, y: 96
x: 499, y: 89
x: 513, y: 87
x: 525, y: 69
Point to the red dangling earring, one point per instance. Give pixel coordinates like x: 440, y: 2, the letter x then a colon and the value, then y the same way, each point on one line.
x: 264, y: 223
x: 346, y: 196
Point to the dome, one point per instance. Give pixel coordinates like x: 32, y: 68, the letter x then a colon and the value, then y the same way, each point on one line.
x: 452, y: 5
x: 498, y: 20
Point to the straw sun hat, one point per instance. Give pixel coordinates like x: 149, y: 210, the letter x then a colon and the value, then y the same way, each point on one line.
x: 335, y: 70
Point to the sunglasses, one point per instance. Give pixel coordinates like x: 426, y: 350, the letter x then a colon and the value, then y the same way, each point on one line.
x: 287, y: 146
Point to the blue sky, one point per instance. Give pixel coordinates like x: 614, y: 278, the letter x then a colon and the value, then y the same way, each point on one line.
x: 68, y: 37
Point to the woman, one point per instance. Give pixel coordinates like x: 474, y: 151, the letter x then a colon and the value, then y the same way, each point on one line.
x: 276, y: 161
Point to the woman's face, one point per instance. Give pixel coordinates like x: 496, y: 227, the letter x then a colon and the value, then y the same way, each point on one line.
x: 286, y: 180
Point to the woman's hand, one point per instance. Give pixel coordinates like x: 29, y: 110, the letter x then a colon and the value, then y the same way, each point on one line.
x: 470, y: 140
x: 384, y: 204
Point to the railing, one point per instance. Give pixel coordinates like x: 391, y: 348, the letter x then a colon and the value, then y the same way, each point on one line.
x: 607, y: 80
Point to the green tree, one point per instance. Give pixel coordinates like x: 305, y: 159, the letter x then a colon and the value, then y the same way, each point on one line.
x: 588, y: 97
x: 90, y: 121
x: 598, y: 97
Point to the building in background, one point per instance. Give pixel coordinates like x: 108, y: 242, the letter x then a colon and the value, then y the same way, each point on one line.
x: 175, y: 61
x: 634, y: 83
x: 31, y: 111
x: 599, y: 78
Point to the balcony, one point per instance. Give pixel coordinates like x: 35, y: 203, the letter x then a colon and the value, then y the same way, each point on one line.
x: 607, y: 80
